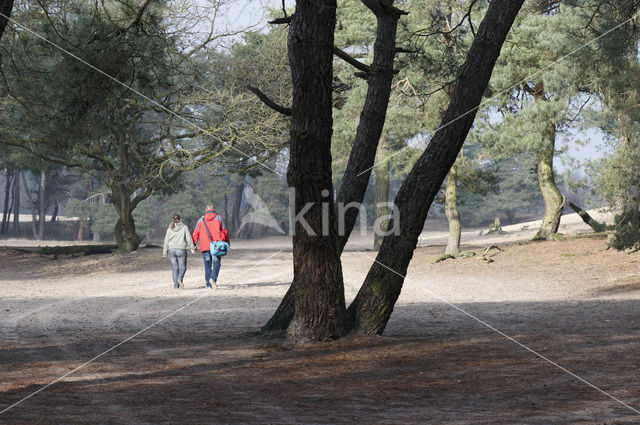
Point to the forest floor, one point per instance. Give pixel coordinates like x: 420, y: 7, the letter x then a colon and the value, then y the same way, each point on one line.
x: 573, y: 302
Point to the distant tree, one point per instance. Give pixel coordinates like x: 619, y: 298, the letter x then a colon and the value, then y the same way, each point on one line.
x: 133, y: 140
x: 515, y: 191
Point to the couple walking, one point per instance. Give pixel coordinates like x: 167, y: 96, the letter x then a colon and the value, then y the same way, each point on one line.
x: 209, y: 229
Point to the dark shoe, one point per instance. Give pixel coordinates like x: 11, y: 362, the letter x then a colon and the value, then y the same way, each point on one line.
x: 209, y: 286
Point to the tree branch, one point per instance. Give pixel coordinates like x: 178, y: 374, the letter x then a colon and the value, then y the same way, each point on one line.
x: 282, y: 21
x: 269, y: 102
x: 351, y: 60
x: 383, y: 7
x: 139, y: 13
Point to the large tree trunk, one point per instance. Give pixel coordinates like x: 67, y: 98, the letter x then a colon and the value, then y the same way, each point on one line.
x: 125, y: 229
x: 363, y: 152
x: 381, y: 197
x: 42, y: 204
x: 16, y: 204
x: 5, y: 210
x: 451, y: 211
x: 373, y: 305
x: 317, y: 271
x: 5, y: 8
x: 553, y: 199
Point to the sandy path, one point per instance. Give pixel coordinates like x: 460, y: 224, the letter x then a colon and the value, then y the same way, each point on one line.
x: 573, y: 302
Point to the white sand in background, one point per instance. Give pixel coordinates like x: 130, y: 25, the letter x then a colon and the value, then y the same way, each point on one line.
x: 132, y: 290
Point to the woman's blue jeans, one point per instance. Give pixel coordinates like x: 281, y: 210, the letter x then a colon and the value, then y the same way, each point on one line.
x: 178, y: 258
x: 211, y: 266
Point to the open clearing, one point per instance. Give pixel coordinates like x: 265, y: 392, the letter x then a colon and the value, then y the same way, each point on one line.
x: 573, y: 302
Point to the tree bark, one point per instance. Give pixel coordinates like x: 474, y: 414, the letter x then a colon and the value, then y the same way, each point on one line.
x: 372, y: 118
x: 5, y: 210
x: 317, y: 271
x: 362, y: 156
x: 5, y: 8
x: 16, y: 204
x: 43, y: 205
x: 381, y: 196
x: 125, y: 229
x: 451, y: 211
x: 374, y: 303
x: 590, y: 221
x: 553, y: 199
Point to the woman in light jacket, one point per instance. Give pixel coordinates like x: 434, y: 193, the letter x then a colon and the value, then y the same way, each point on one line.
x: 176, y: 242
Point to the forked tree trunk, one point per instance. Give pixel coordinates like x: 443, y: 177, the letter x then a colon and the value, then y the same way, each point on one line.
x: 451, y: 211
x: 363, y: 152
x: 16, y: 204
x: 381, y: 196
x: 317, y: 271
x: 374, y: 303
x: 125, y: 229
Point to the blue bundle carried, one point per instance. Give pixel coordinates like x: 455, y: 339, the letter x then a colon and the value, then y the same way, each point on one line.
x: 219, y: 248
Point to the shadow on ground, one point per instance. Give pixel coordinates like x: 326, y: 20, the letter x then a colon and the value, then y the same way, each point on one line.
x: 435, y: 365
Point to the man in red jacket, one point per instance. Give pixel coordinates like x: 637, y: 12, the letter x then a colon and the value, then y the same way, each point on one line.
x: 218, y: 231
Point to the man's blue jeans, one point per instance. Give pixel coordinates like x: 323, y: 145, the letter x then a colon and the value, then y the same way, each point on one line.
x: 211, y: 266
